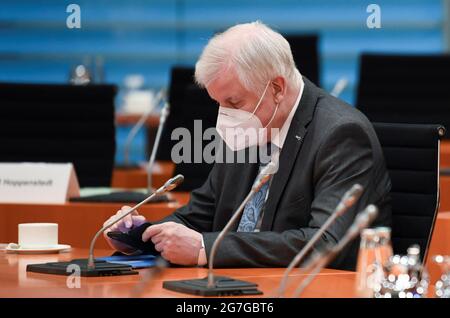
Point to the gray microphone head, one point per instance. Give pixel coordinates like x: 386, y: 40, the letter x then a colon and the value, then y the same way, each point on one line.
x: 264, y: 175
x: 269, y: 169
x: 172, y: 183
x: 371, y: 212
x: 366, y: 217
x: 166, y: 107
x: 352, y: 195
x: 165, y: 111
x: 339, y: 87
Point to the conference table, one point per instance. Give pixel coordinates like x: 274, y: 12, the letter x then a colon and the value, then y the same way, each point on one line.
x: 78, y: 222
x: 16, y: 282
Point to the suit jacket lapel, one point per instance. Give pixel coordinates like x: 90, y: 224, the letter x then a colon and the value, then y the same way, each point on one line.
x: 291, y: 147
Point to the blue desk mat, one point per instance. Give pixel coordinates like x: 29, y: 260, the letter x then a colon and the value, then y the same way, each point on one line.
x: 136, y: 262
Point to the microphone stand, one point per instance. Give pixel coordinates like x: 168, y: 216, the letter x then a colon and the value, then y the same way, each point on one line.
x: 137, y: 127
x: 322, y: 259
x: 165, y: 112
x: 222, y: 286
x: 168, y: 186
x: 93, y: 268
x: 347, y: 201
x: 136, y: 196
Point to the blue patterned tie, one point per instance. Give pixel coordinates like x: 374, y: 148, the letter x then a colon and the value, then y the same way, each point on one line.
x: 253, y: 208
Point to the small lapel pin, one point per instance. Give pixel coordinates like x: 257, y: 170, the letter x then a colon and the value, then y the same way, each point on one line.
x: 298, y: 137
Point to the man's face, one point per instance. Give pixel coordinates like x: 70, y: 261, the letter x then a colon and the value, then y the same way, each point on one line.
x: 227, y: 91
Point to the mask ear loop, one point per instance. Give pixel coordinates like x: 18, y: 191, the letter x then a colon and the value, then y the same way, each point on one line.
x: 259, y: 102
x: 261, y: 98
x: 264, y: 129
x: 273, y: 116
x: 257, y: 105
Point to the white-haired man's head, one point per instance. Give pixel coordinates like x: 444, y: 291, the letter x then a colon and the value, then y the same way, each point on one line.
x: 253, y: 51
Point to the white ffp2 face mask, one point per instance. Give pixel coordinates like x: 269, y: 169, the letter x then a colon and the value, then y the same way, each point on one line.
x: 241, y: 129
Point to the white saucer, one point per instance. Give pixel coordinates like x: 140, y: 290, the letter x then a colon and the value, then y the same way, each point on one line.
x: 41, y: 250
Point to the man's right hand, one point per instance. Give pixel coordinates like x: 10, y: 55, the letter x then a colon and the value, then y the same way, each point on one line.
x: 126, y: 224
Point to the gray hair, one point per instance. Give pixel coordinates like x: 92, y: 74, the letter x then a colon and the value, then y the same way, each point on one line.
x: 254, y: 51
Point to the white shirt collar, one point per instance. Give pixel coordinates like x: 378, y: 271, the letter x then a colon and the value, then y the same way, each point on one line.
x: 278, y: 140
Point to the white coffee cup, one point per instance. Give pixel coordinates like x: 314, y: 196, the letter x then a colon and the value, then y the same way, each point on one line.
x: 38, y: 235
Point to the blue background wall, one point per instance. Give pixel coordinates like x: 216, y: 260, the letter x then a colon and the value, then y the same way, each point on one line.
x: 149, y: 36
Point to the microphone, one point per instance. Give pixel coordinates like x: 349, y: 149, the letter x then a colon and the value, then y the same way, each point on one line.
x: 363, y: 220
x: 263, y: 178
x: 348, y: 200
x: 339, y: 87
x: 138, y: 126
x: 168, y: 186
x: 151, y: 162
x: 171, y: 184
x: 136, y: 196
x: 216, y: 286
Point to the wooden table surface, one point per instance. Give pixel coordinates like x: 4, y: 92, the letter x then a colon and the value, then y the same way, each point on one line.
x: 124, y: 119
x: 16, y: 282
x: 78, y: 222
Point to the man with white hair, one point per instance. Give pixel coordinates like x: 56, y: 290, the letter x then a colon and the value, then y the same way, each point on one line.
x: 322, y: 146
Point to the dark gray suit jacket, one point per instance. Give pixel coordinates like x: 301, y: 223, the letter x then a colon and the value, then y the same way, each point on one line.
x: 329, y: 147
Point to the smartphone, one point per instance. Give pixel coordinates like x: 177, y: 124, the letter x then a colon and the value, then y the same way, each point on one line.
x: 134, y: 239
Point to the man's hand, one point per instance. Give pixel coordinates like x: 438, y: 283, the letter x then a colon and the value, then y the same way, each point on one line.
x: 124, y: 225
x: 177, y: 243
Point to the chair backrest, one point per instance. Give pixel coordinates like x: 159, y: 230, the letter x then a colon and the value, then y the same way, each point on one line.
x: 188, y: 103
x: 405, y: 88
x: 411, y: 152
x: 305, y: 50
x: 60, y: 123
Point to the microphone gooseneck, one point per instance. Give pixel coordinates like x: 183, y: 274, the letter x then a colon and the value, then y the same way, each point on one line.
x: 262, y: 178
x: 168, y: 186
x: 363, y: 220
x: 165, y: 112
x: 348, y: 200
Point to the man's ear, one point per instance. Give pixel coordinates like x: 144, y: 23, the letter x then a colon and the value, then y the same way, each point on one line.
x: 278, y: 89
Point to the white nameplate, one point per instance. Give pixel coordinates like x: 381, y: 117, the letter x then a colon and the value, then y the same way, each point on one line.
x: 51, y: 183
